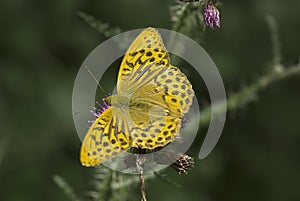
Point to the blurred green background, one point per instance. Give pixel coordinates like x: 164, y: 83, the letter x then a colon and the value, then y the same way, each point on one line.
x: 42, y: 45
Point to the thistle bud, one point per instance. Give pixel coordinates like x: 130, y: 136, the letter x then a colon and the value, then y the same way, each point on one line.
x: 211, y: 16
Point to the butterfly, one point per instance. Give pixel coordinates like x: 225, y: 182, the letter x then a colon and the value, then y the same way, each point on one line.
x: 145, y: 113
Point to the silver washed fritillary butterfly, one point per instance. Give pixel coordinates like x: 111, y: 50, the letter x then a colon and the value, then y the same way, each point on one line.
x: 152, y: 97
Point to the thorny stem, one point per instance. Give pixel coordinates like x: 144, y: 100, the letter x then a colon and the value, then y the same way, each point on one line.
x: 177, y: 25
x: 139, y: 167
x: 101, y: 27
x: 249, y: 93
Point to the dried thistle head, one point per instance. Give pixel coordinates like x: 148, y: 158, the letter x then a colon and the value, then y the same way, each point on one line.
x: 183, y: 164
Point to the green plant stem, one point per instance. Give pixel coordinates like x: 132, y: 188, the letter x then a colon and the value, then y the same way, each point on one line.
x: 139, y: 167
x: 249, y: 93
x: 130, y: 181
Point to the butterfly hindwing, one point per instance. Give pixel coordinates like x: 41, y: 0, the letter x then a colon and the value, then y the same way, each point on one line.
x: 156, y: 114
x: 158, y: 106
x: 177, y: 84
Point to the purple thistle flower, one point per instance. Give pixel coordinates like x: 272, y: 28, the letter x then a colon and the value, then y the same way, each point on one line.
x: 97, y: 111
x: 211, y: 16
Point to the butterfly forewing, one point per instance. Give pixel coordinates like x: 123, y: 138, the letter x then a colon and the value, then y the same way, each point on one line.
x: 107, y: 137
x: 145, y: 51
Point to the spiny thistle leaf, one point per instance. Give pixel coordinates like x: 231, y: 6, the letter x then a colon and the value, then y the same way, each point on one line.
x: 67, y: 189
x: 101, y: 27
x: 187, y: 19
x: 185, y: 16
x: 105, y: 182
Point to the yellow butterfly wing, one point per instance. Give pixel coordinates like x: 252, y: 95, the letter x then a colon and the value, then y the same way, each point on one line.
x: 107, y: 137
x: 156, y: 118
x: 176, y: 84
x: 147, y: 49
x: 157, y: 108
x: 146, y: 62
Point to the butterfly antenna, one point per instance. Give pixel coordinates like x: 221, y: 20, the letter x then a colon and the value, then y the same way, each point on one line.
x: 93, y: 76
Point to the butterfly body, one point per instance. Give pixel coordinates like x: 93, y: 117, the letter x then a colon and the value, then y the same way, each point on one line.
x: 145, y: 113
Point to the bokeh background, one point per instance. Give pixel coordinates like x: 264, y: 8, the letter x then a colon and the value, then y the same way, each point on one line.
x: 42, y: 46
